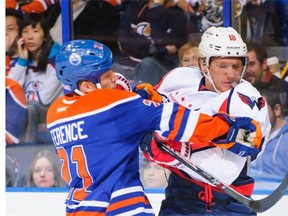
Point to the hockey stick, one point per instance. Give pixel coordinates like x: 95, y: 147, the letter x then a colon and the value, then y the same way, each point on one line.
x: 256, y: 205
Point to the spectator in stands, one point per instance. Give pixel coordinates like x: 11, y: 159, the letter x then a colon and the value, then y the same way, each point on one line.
x: 154, y: 28
x: 188, y: 55
x: 258, y: 72
x: 16, y: 111
x: 34, y: 68
x: 152, y: 175
x: 45, y: 171
x: 13, y: 24
x: 273, y: 162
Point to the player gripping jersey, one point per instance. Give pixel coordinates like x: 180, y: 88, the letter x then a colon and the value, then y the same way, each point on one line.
x: 96, y: 130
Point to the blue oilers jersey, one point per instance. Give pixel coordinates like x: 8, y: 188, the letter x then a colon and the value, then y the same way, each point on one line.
x: 97, y: 136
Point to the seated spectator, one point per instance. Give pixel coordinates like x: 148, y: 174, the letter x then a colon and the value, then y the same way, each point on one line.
x: 273, y: 162
x: 152, y: 175
x: 153, y: 28
x: 13, y: 23
x: 16, y: 111
x: 45, y: 171
x: 188, y: 55
x: 34, y: 68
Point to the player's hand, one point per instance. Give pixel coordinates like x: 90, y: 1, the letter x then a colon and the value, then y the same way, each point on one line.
x: 152, y: 151
x: 146, y: 91
x: 244, y: 137
x: 122, y: 82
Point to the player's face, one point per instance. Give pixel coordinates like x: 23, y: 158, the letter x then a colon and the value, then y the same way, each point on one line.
x: 255, y: 68
x: 108, y: 80
x: 225, y: 72
x: 43, y: 175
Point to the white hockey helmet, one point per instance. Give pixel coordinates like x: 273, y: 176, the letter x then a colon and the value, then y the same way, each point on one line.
x: 222, y: 42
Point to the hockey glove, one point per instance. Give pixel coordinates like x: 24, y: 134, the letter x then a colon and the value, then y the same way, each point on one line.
x: 244, y: 137
x: 122, y: 83
x: 153, y: 152
x: 146, y: 91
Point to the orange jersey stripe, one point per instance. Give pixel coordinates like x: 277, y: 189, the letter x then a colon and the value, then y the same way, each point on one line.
x: 17, y: 90
x: 177, y: 123
x: 127, y: 202
x: 8, y: 139
x: 86, y: 213
x: 219, y: 126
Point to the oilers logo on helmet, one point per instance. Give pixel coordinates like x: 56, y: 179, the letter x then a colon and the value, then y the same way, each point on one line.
x: 75, y: 59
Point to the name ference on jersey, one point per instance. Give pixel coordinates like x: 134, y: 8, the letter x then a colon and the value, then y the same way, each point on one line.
x: 67, y: 133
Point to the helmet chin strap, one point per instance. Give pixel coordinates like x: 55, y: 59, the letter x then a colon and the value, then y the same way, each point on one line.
x: 209, y: 78
x: 98, y: 85
x: 77, y: 91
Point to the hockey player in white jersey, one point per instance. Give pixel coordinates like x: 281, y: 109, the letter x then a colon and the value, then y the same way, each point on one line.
x: 217, y: 87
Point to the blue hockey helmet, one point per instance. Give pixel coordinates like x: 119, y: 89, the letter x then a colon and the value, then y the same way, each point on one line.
x: 82, y: 60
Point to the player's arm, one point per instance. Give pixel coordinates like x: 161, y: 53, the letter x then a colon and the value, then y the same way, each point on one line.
x: 191, y: 126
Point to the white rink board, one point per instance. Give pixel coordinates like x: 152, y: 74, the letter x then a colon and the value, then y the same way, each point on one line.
x: 52, y: 204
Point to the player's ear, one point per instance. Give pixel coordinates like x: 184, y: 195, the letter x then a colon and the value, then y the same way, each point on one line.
x: 86, y: 86
x: 201, y: 63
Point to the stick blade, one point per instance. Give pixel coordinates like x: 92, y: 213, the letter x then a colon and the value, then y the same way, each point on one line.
x: 269, y: 201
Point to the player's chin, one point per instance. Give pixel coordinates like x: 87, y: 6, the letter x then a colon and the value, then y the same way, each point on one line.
x: 226, y: 87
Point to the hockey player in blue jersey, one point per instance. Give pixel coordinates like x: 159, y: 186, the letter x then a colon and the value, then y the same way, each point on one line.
x: 96, y: 131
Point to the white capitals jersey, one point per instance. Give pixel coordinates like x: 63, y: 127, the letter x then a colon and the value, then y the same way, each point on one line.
x: 185, y: 86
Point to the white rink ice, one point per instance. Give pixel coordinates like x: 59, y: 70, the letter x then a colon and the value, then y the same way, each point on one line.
x: 50, y: 202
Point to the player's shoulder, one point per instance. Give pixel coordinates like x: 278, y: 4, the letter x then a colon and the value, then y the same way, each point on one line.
x: 247, y: 88
x: 70, y: 105
x: 181, y: 77
x: 109, y: 95
x: 184, y: 73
